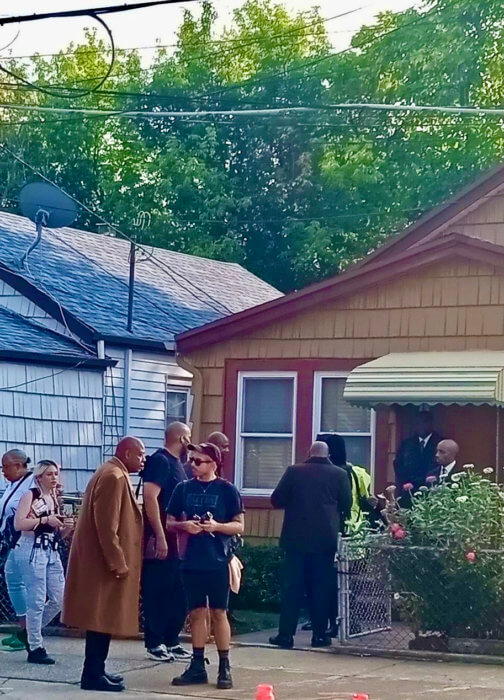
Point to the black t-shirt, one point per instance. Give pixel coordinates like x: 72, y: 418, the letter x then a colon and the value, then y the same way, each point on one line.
x: 165, y: 470
x: 220, y: 498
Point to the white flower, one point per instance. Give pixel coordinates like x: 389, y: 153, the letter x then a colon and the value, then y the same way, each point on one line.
x: 397, y: 596
x: 488, y: 470
x: 468, y: 466
x: 455, y: 486
x: 462, y: 499
x: 457, y: 477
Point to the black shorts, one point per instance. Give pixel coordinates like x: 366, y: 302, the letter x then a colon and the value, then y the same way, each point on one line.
x: 204, y: 588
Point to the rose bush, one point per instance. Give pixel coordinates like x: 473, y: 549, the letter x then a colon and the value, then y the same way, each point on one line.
x: 448, y: 561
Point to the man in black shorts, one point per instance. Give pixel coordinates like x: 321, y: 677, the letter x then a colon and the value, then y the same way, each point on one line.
x: 208, y: 512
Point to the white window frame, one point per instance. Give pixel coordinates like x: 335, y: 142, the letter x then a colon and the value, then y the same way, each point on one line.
x: 241, y: 436
x: 317, y: 416
x: 174, y: 389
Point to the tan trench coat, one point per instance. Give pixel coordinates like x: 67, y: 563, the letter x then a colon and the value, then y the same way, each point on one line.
x: 108, y: 536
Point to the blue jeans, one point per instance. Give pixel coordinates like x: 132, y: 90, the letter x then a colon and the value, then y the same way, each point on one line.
x: 15, y: 583
x: 45, y: 582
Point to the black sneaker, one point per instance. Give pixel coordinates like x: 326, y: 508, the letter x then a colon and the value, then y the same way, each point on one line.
x: 39, y: 656
x: 195, y: 674
x: 319, y: 642
x: 282, y: 642
x: 224, y: 679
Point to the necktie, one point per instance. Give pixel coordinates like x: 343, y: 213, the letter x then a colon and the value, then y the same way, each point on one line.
x: 443, y: 473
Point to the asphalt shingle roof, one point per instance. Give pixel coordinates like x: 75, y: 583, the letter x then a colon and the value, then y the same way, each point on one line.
x: 20, y: 334
x: 88, y: 274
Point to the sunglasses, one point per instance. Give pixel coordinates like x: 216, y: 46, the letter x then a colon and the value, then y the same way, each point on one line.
x: 197, y: 461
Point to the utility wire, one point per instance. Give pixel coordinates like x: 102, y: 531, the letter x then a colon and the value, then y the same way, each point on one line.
x: 268, y: 111
x: 62, y: 92
x: 108, y: 10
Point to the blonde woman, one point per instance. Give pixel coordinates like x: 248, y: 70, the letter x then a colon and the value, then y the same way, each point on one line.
x: 37, y: 519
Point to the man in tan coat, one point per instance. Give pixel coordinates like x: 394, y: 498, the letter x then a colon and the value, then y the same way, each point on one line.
x: 103, y: 578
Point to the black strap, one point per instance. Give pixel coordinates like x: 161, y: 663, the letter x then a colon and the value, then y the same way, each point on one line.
x: 4, y: 507
x: 139, y: 485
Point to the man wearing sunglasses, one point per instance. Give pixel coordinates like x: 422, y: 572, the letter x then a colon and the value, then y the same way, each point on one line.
x: 208, y: 512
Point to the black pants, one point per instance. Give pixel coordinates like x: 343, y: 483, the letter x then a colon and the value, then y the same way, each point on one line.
x: 163, y: 600
x: 97, y: 649
x: 303, y: 570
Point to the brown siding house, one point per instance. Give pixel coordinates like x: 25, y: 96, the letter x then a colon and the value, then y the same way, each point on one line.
x: 274, y: 376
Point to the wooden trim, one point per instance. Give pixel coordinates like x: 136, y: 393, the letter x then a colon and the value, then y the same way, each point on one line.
x: 257, y: 502
x: 355, y: 280
x: 305, y: 376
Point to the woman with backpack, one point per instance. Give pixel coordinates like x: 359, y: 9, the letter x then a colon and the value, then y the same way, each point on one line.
x: 38, y: 520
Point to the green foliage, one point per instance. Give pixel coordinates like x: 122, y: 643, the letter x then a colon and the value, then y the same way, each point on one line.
x: 450, y: 567
x: 292, y: 197
x: 260, y: 588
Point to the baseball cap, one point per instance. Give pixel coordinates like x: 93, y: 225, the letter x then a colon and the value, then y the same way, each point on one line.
x: 206, y: 448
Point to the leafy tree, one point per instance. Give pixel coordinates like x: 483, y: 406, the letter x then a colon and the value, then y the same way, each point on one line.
x: 294, y: 197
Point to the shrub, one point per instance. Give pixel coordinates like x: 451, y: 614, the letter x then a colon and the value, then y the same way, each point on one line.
x: 449, y: 565
x: 260, y: 589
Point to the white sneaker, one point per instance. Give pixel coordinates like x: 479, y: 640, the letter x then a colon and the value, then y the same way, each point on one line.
x: 180, y: 653
x: 159, y: 653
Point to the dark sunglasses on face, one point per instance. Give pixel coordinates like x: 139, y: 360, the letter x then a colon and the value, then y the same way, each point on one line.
x: 197, y: 461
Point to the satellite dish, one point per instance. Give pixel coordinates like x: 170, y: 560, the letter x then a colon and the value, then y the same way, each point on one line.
x: 47, y: 205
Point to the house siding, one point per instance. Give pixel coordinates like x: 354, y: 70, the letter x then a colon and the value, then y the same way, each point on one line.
x: 53, y: 413
x: 14, y: 301
x: 450, y: 306
x: 150, y: 375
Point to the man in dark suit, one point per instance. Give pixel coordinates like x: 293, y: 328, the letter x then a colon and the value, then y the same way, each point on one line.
x: 316, y: 498
x: 446, y: 458
x: 416, y: 456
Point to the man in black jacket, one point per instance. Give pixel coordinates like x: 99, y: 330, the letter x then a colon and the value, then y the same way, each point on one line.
x: 416, y: 456
x: 316, y: 498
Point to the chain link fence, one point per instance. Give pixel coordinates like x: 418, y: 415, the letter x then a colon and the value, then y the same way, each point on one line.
x: 398, y: 597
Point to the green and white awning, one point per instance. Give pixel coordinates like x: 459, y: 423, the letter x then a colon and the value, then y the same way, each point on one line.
x: 465, y: 377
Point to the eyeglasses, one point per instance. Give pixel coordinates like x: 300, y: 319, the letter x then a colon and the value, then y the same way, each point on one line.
x: 197, y: 461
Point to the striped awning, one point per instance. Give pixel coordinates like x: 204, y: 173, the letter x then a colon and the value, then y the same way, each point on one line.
x: 465, y: 377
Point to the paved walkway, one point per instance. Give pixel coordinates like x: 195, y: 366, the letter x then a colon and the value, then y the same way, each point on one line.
x: 296, y: 675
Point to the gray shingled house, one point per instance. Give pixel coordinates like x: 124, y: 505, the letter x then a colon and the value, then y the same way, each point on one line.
x: 72, y: 378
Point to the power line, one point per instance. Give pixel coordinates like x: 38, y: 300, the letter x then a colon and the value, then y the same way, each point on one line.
x: 267, y: 111
x: 62, y: 93
x: 110, y: 9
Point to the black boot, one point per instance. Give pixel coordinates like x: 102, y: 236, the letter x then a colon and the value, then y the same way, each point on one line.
x: 224, y: 679
x: 282, y: 642
x: 113, y: 677
x: 39, y: 656
x: 195, y: 673
x: 101, y: 683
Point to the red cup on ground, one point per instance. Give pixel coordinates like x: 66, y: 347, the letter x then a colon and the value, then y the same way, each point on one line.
x: 265, y: 692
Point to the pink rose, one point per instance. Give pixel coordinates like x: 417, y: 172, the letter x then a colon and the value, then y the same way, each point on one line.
x: 471, y: 556
x: 399, y: 534
x: 395, y: 526
x: 408, y: 486
x: 431, y: 480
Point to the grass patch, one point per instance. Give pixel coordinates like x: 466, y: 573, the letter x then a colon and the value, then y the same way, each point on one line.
x: 246, y: 621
